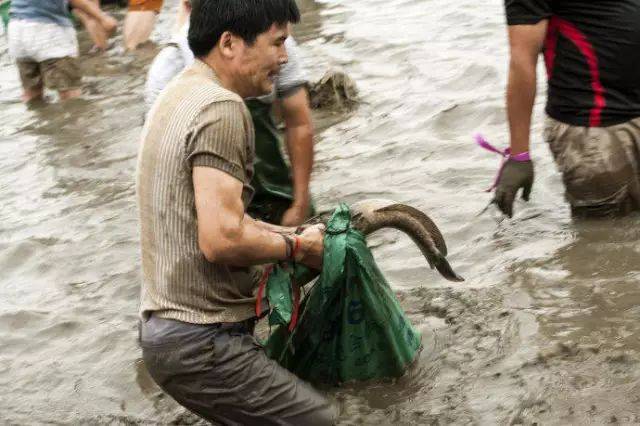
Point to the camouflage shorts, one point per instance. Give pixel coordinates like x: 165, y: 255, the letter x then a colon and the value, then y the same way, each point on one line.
x: 599, y: 165
x: 60, y: 74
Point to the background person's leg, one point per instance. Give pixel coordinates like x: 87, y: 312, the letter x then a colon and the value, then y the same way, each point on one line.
x: 139, y: 22
x: 31, y: 80
x: 63, y: 75
x: 137, y: 28
x: 69, y: 94
x: 97, y: 31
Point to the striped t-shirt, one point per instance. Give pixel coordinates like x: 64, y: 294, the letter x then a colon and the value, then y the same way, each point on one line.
x: 195, y: 122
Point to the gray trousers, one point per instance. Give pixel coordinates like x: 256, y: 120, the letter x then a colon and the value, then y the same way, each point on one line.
x: 222, y: 374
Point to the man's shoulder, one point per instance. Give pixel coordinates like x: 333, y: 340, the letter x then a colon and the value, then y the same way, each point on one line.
x: 191, y: 93
x: 202, y: 85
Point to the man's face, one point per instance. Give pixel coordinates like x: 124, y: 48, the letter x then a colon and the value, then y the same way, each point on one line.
x: 257, y: 65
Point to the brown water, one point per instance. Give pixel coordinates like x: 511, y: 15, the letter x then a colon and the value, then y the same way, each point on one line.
x: 545, y: 329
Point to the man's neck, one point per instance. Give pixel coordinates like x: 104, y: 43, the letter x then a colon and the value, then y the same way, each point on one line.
x: 223, y: 74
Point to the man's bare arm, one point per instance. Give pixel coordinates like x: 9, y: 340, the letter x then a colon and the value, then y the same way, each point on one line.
x: 227, y: 236
x: 299, y: 139
x: 525, y: 43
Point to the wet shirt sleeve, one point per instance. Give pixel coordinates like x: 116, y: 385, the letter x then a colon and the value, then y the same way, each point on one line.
x: 218, y: 139
x: 527, y: 12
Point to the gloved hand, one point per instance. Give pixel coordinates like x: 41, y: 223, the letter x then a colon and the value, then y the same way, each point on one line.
x: 515, y: 175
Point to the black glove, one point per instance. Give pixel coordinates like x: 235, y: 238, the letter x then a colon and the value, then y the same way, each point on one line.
x: 515, y: 175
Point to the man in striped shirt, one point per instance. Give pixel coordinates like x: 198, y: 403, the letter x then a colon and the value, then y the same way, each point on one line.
x: 281, y: 192
x: 200, y: 250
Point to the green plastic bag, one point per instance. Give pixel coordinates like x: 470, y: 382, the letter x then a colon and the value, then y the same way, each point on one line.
x: 351, y: 326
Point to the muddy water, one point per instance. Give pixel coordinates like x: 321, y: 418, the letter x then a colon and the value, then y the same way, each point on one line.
x: 545, y: 329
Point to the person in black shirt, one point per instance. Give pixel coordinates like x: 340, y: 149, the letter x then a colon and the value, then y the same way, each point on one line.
x: 592, y: 55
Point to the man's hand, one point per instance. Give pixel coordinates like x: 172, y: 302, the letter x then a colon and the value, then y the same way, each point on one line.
x: 295, y: 215
x: 515, y: 175
x: 311, y: 247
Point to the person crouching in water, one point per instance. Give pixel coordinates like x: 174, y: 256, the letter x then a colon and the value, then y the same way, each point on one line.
x: 282, y: 194
x: 199, y: 247
x: 592, y: 52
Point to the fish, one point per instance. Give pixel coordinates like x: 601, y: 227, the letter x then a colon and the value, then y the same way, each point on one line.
x: 371, y: 215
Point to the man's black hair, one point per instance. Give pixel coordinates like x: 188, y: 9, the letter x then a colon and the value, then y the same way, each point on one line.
x: 244, y: 18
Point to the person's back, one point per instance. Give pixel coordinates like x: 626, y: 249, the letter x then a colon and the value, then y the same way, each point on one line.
x: 592, y: 53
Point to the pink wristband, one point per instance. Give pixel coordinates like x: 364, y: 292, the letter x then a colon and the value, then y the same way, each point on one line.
x: 506, y: 155
x: 523, y: 156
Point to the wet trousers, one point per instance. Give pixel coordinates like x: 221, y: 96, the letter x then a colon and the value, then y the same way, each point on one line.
x: 222, y: 374
x: 600, y: 166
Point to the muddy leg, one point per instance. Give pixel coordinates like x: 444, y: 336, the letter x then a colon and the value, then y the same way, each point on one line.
x: 138, y: 26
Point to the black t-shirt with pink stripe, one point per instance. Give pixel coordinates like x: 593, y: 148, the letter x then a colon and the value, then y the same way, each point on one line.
x: 592, y: 54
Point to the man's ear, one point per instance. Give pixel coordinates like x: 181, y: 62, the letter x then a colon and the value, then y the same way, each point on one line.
x: 226, y: 44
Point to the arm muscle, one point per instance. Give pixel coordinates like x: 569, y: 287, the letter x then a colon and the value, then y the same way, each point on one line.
x: 225, y: 234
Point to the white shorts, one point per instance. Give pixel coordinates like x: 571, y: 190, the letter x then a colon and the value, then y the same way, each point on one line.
x: 41, y: 41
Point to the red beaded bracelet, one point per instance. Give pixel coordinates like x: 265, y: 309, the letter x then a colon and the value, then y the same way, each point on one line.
x: 296, y: 247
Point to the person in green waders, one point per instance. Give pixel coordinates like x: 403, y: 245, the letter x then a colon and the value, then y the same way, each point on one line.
x: 281, y: 192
